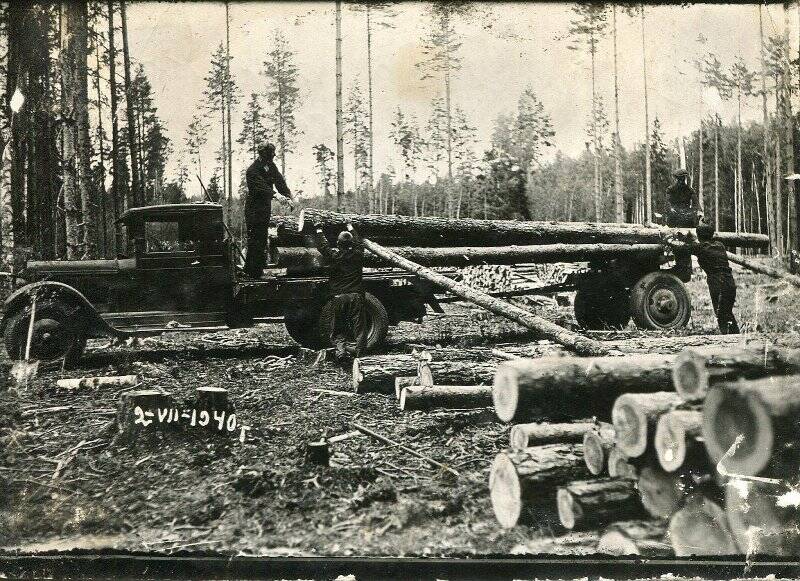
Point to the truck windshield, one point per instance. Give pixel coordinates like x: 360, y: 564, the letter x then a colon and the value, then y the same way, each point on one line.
x: 168, y: 236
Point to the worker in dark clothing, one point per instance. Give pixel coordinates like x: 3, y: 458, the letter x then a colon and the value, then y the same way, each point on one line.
x: 713, y: 259
x: 346, y: 288
x: 682, y: 204
x: 263, y: 177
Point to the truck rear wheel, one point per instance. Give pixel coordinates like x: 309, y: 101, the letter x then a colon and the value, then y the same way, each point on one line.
x: 602, y: 308
x: 659, y: 300
x: 55, y: 334
x: 377, y: 321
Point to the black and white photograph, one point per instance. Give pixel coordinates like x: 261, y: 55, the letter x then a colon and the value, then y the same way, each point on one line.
x: 463, y: 285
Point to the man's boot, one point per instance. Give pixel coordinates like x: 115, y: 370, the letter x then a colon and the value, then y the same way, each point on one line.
x: 341, y: 351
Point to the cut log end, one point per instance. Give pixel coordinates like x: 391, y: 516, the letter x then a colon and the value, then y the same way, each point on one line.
x: 729, y: 415
x: 619, y: 467
x: 700, y: 528
x: 357, y: 375
x: 617, y: 543
x: 690, y: 376
x: 637, y: 537
x: 661, y: 492
x: 757, y: 522
x: 670, y: 443
x: 505, y: 491
x: 630, y: 425
x: 425, y: 375
x: 505, y: 392
x: 595, y: 451
x: 401, y: 382
x: 569, y: 511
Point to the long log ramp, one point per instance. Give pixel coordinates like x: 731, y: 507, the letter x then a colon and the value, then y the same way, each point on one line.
x: 574, y: 386
x: 548, y: 330
x: 770, y: 271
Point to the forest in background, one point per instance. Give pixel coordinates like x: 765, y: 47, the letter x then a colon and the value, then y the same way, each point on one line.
x: 82, y: 139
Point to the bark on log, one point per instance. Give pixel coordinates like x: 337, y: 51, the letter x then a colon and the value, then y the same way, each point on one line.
x: 526, y: 435
x: 619, y: 465
x: 522, y: 482
x: 700, y: 528
x: 96, y: 382
x: 761, y: 414
x: 404, y: 381
x: 462, y: 256
x: 676, y: 440
x: 377, y: 372
x: 427, y: 397
x: 588, y: 503
x: 634, y: 417
x: 696, y: 369
x: 661, y: 492
x: 548, y: 330
x: 434, y: 231
x: 455, y: 373
x: 597, y: 444
x: 635, y: 537
x: 757, y: 523
x: 558, y: 387
x: 760, y: 268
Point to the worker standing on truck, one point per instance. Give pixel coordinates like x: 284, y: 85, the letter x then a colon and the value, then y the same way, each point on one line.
x: 682, y: 204
x: 346, y: 288
x: 263, y: 177
x: 713, y: 259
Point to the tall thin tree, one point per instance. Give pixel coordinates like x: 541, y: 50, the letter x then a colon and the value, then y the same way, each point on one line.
x: 115, y: 171
x: 339, y: 122
x: 136, y: 192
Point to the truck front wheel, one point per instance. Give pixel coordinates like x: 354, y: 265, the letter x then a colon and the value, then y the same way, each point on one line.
x: 659, y: 300
x: 377, y: 321
x: 56, y: 336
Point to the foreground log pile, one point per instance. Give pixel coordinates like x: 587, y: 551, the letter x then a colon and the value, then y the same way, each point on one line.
x: 700, y: 456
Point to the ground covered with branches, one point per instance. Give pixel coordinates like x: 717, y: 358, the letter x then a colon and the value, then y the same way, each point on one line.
x: 70, y: 482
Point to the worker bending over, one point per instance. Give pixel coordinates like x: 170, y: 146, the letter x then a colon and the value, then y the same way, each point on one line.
x: 713, y: 259
x: 346, y: 288
x: 682, y: 212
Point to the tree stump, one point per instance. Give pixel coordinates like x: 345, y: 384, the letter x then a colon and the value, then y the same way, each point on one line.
x: 137, y: 411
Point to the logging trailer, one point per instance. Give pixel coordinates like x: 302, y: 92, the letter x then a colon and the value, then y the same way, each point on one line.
x: 179, y: 273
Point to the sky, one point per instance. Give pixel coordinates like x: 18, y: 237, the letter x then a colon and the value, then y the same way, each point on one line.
x: 506, y: 47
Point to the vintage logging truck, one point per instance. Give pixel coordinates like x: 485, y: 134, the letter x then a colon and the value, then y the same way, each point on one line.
x: 180, y: 273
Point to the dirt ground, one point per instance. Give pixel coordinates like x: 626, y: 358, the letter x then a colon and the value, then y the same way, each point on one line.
x: 66, y: 481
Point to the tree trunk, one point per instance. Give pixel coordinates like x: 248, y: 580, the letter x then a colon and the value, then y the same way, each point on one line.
x: 597, y: 444
x: 646, y: 538
x: 547, y: 329
x: 635, y: 415
x: 584, y: 504
x: 574, y: 386
x: 101, y: 186
x: 697, y: 369
x: 769, y: 205
x: 112, y: 75
x: 435, y: 231
x: 526, y: 435
x: 428, y: 397
x: 648, y: 192
x: 619, y: 466
x: 779, y: 111
x: 521, y: 481
x: 371, y: 129
x: 84, y: 144
x: 455, y: 373
x: 757, y: 522
x: 676, y: 440
x: 759, y: 418
x: 619, y: 200
x: 69, y: 111
x: 136, y: 192
x: 762, y: 268
x: 700, y: 528
x: 716, y: 175
x: 228, y: 98
x: 791, y: 201
x: 339, y: 125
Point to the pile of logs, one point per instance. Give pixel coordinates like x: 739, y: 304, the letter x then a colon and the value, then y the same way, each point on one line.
x: 696, y: 457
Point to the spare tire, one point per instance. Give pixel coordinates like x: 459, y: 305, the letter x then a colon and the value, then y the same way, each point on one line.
x: 377, y: 322
x: 659, y: 300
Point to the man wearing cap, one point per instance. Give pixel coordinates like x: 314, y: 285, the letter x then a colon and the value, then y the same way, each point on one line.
x: 263, y: 177
x: 346, y: 288
x: 682, y: 203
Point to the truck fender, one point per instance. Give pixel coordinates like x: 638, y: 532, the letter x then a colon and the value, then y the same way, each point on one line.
x: 21, y: 297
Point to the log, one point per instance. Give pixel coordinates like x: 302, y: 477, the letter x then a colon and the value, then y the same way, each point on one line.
x: 661, y: 492
x: 521, y: 482
x: 761, y: 268
x: 545, y: 328
x: 761, y: 414
x: 557, y: 387
x: 700, y: 528
x: 597, y: 444
x: 96, y: 382
x: 635, y: 537
x: 756, y: 521
x: 588, y: 503
x: 697, y: 369
x: 619, y: 465
x: 377, y: 372
x: 526, y: 435
x: 404, y: 381
x: 455, y: 373
x: 434, y: 231
x: 463, y: 256
x: 676, y: 440
x: 635, y: 416
x: 428, y: 397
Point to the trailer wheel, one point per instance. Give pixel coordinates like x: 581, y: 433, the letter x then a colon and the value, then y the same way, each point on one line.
x: 302, y: 324
x: 659, y: 300
x: 602, y: 308
x: 377, y: 321
x: 55, y: 334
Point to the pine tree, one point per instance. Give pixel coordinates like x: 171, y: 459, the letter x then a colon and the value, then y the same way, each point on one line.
x: 532, y: 130
x: 284, y: 95
x: 196, y: 138
x: 357, y: 133
x: 323, y: 156
x: 253, y: 132
x: 406, y: 138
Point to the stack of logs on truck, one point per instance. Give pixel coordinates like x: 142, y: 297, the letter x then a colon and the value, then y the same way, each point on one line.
x: 693, y: 452
x: 624, y: 278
